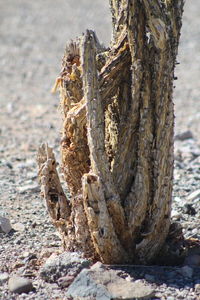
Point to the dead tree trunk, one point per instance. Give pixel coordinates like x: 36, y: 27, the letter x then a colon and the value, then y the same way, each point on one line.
x: 117, y: 139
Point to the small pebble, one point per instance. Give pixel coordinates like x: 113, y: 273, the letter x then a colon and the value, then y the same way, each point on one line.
x: 5, y: 225
x: 28, y: 188
x: 193, y: 195
x: 3, y: 278
x: 98, y: 265
x: 18, y: 227
x: 184, y: 136
x: 175, y: 214
x: 17, y: 284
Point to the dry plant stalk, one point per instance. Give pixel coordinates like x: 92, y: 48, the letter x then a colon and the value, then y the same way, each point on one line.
x: 117, y: 136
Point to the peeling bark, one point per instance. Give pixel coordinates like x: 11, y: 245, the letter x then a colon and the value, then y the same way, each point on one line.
x: 117, y: 137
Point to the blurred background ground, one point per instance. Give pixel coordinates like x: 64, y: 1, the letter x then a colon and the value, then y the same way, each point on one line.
x: 33, y: 35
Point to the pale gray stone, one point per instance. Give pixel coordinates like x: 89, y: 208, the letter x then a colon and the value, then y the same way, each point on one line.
x: 175, y: 214
x: 5, y: 225
x: 98, y: 265
x: 194, y: 195
x: 178, y: 199
x: 101, y: 284
x: 18, y: 226
x: 28, y: 188
x: 31, y: 175
x: 3, y: 278
x: 85, y: 287
x: 184, y: 136
x: 130, y: 290
x: 197, y: 287
x: 17, y: 284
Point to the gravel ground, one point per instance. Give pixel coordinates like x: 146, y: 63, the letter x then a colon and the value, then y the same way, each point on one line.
x: 33, y: 35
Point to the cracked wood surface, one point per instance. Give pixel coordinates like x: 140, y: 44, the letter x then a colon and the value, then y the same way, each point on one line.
x: 117, y: 138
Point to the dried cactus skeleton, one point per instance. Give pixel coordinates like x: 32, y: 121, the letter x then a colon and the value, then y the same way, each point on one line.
x: 117, y: 136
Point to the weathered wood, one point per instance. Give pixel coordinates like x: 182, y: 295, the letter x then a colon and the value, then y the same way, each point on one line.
x: 57, y: 203
x: 64, y: 213
x: 117, y: 138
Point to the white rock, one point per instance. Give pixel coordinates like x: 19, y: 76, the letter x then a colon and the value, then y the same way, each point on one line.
x: 98, y: 265
x: 32, y: 175
x: 28, y: 188
x: 3, y: 278
x: 175, y: 214
x: 178, y: 199
x: 176, y: 175
x: 5, y: 225
x: 30, y: 162
x: 171, y: 298
x: 193, y: 195
x: 197, y: 287
x: 130, y: 290
x: 106, y: 285
x: 18, y: 226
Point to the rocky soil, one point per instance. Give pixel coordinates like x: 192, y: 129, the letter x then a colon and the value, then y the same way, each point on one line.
x: 33, y: 35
